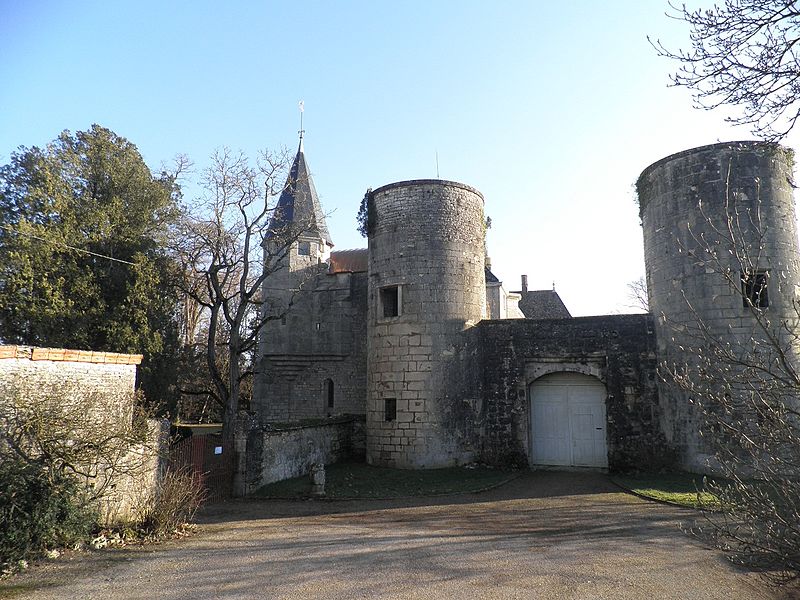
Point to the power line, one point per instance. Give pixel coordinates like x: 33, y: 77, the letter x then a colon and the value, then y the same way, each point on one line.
x: 46, y: 241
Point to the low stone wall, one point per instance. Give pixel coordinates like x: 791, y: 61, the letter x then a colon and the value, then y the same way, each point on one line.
x: 290, y: 451
x: 96, y: 392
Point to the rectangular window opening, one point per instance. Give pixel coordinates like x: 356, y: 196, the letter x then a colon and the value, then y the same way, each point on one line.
x: 390, y: 301
x: 304, y: 248
x: 754, y: 288
x: 389, y: 409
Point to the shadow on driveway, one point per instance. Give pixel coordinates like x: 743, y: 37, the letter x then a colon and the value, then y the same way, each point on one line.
x: 543, y: 535
x: 529, y: 485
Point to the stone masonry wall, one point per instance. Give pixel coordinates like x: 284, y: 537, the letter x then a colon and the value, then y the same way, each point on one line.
x: 618, y: 349
x: 106, y: 380
x: 323, y: 337
x: 278, y: 454
x: 138, y: 481
x: 708, y: 214
x: 427, y: 242
x: 36, y: 368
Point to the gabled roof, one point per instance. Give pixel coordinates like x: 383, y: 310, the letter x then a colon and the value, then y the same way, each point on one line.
x: 490, y: 277
x: 542, y: 304
x: 299, y: 204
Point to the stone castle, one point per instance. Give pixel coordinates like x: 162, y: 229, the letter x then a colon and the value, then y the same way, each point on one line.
x: 417, y: 334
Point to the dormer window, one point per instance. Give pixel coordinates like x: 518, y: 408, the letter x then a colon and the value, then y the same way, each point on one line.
x: 304, y: 248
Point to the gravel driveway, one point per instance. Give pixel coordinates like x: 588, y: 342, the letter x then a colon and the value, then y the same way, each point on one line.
x: 544, y: 535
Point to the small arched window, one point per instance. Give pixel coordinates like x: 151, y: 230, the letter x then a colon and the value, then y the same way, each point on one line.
x: 328, y: 394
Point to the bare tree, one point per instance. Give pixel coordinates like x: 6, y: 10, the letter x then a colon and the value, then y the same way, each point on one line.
x: 91, y: 437
x: 745, y: 387
x: 637, y: 295
x: 744, y: 54
x: 226, y: 262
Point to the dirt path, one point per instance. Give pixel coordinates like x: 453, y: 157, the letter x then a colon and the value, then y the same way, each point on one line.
x: 545, y: 535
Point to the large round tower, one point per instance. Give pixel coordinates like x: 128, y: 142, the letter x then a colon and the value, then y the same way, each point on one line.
x: 721, y: 258
x: 426, y: 285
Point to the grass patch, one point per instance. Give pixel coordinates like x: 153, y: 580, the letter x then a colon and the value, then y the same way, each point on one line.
x: 360, y: 480
x: 11, y: 590
x: 683, y: 489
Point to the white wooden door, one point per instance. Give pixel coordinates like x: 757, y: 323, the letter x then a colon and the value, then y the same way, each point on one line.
x: 551, y: 412
x: 568, y: 421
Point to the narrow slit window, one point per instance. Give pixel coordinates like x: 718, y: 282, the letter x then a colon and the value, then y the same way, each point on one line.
x: 754, y: 289
x: 389, y: 409
x: 329, y: 393
x: 390, y: 301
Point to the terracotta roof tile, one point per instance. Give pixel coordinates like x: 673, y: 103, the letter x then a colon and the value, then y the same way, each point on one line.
x: 349, y: 261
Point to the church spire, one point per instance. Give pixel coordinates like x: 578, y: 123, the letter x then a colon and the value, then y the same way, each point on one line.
x: 298, y: 208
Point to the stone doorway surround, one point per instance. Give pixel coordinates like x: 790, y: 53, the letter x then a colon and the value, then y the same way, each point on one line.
x: 593, y: 364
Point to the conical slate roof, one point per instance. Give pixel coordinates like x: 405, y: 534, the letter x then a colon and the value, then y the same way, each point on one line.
x: 299, y: 204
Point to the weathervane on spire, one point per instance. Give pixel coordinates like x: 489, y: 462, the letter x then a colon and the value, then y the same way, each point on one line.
x: 301, y: 105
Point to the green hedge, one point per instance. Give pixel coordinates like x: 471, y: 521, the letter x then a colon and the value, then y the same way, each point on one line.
x: 39, y: 509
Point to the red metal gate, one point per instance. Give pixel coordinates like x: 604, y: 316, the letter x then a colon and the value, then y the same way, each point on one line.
x: 202, y: 455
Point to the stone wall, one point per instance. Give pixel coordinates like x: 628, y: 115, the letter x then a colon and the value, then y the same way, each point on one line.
x: 708, y: 215
x: 134, y: 485
x: 619, y: 350
x: 426, y: 262
x: 103, y: 383
x: 323, y: 337
x: 34, y: 368
x: 290, y: 451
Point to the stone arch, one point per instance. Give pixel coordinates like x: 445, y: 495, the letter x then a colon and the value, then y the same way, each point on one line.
x: 593, y: 365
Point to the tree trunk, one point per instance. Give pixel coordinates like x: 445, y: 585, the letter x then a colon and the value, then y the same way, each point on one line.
x: 232, y: 404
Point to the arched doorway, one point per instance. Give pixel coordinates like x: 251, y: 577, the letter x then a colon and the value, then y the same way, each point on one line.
x: 568, y: 421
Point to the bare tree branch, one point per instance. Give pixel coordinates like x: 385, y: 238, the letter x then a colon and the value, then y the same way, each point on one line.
x: 745, y: 387
x: 226, y: 262
x: 743, y: 53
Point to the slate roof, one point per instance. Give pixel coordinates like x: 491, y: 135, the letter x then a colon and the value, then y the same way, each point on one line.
x: 542, y: 304
x: 349, y: 261
x: 299, y: 204
x: 491, y: 277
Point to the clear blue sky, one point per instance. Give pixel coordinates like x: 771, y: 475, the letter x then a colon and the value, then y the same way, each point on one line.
x: 551, y: 109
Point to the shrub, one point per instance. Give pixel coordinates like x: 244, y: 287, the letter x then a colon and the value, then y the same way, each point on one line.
x: 180, y: 493
x: 39, y: 509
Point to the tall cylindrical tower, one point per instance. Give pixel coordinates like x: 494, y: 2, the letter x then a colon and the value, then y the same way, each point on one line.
x: 426, y: 285
x: 721, y: 257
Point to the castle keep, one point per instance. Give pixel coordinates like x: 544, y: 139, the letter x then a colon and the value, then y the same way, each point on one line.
x: 416, y: 334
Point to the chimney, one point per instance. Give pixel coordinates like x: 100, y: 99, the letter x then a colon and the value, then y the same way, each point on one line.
x: 524, y: 284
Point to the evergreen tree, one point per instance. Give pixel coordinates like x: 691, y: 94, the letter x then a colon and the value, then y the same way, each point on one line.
x: 83, y: 260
